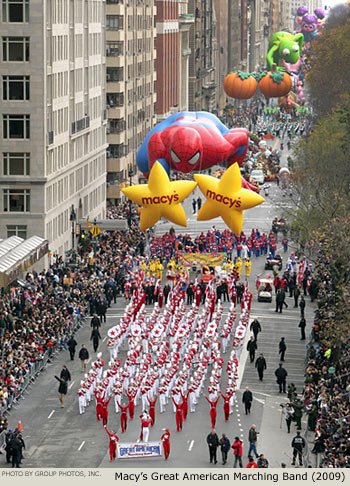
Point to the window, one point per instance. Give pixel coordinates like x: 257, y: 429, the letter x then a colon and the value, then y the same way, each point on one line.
x: 116, y: 125
x: 114, y: 48
x: 115, y: 99
x: 15, y: 88
x: 115, y: 74
x: 117, y: 151
x: 16, y: 200
x: 16, y: 126
x: 15, y: 10
x: 15, y: 49
x: 114, y: 22
x: 16, y: 163
x: 17, y: 230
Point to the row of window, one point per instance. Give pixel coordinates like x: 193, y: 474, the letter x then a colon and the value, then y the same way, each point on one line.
x: 16, y: 88
x: 16, y: 200
x: 16, y: 127
x: 16, y: 163
x: 15, y: 49
x: 15, y: 11
x: 58, y: 226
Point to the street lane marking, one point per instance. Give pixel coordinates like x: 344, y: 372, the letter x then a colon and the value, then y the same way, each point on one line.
x: 81, y: 445
x: 260, y: 393
x: 275, y: 144
x: 191, y: 445
x: 51, y: 414
x: 260, y: 401
x: 70, y: 386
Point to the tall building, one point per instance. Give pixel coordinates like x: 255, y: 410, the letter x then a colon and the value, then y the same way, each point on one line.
x: 202, y: 86
x: 186, y: 20
x: 274, y: 16
x: 286, y: 17
x: 52, y: 111
x: 234, y: 54
x: 168, y: 59
x: 221, y: 62
x: 256, y: 45
x: 131, y: 78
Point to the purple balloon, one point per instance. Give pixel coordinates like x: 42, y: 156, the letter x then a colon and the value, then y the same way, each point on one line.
x: 319, y: 12
x: 302, y: 10
x: 309, y: 19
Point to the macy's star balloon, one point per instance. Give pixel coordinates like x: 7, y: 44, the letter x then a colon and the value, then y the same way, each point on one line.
x: 160, y: 197
x: 225, y: 197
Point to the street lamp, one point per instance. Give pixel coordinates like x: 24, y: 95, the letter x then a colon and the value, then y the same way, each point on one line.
x: 73, y: 218
x: 130, y: 174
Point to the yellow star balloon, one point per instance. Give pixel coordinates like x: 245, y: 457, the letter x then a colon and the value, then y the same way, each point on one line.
x: 160, y: 197
x: 225, y: 197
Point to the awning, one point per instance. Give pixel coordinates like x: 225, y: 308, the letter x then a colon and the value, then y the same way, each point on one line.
x: 20, y: 256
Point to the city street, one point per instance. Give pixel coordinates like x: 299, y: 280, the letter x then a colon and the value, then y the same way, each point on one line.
x: 58, y: 437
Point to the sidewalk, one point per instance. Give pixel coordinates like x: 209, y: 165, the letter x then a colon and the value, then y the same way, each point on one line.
x: 274, y: 441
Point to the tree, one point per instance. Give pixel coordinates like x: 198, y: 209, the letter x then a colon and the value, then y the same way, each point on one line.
x: 329, y: 56
x: 321, y: 177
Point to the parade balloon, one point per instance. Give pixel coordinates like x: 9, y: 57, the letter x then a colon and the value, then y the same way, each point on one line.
x: 302, y: 10
x: 226, y: 198
x: 160, y: 197
x: 310, y: 25
x: 275, y: 84
x: 240, y: 85
x: 192, y: 141
x: 284, y: 46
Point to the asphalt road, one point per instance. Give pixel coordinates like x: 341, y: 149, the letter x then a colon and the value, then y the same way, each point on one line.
x: 58, y: 437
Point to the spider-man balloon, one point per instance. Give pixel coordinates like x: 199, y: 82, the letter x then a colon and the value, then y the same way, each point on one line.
x: 192, y: 141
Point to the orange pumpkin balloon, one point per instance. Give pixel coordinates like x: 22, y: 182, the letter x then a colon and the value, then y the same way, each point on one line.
x: 275, y: 84
x: 240, y: 85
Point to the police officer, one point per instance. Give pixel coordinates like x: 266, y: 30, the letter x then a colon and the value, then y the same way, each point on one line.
x: 252, y: 347
x: 281, y: 375
x: 256, y: 328
x: 298, y: 444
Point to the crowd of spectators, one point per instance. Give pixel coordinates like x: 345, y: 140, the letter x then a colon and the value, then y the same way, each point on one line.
x: 122, y: 211
x: 45, y: 311
x: 327, y: 388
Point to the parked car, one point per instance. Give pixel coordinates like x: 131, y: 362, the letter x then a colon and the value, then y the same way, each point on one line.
x: 265, y: 290
x: 271, y: 262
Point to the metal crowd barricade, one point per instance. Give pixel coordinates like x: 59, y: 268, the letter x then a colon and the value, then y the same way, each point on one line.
x: 38, y: 366
x: 2, y: 440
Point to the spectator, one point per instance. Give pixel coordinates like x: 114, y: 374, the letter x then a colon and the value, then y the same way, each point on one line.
x: 262, y: 461
x: 237, y: 447
x: 225, y: 447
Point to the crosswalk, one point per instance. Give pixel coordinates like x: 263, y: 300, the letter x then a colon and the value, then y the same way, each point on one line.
x: 274, y: 326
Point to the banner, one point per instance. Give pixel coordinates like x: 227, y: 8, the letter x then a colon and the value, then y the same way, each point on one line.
x: 148, y: 449
x: 209, y: 259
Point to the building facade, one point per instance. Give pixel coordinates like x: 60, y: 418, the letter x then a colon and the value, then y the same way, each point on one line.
x: 202, y: 85
x: 234, y: 54
x: 168, y: 58
x: 286, y: 17
x: 186, y: 20
x: 130, y: 88
x: 52, y: 111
